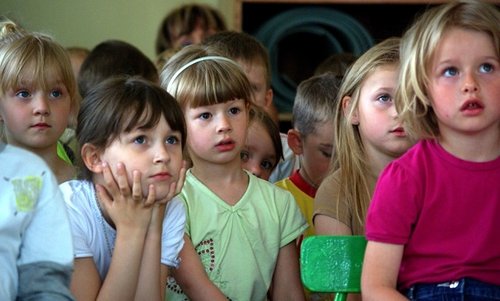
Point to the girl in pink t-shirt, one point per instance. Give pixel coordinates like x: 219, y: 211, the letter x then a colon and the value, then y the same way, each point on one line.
x: 432, y: 226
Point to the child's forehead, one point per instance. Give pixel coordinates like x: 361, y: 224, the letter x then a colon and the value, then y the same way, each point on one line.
x: 51, y: 75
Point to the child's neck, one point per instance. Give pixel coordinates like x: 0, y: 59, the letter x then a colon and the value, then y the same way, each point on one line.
x: 218, y: 177
x: 377, y: 161
x: 482, y: 147
x: 61, y: 169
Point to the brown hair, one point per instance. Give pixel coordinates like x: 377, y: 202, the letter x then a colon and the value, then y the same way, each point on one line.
x: 183, y: 20
x: 120, y: 104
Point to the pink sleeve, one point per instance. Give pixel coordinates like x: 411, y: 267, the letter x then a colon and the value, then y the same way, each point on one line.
x: 395, y: 205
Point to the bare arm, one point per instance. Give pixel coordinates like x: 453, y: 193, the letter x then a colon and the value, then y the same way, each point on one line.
x: 131, y: 215
x: 325, y: 225
x: 192, y: 278
x: 286, y: 284
x: 380, y: 271
x: 85, y: 281
x: 153, y: 274
x: 151, y: 285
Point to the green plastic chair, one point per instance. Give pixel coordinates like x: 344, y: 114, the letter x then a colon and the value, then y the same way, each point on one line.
x: 332, y: 264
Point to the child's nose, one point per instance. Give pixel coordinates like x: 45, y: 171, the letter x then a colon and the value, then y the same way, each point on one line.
x: 161, y: 155
x: 224, y: 124
x: 469, y: 83
x: 41, y: 105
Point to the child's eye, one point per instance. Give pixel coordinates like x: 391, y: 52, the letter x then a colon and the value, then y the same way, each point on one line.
x: 326, y: 154
x: 23, y: 94
x: 234, y: 110
x: 140, y: 140
x: 384, y: 98
x: 172, y: 140
x: 449, y: 72
x: 244, y: 155
x: 55, y: 93
x: 486, y: 68
x: 205, y: 116
x: 267, y: 165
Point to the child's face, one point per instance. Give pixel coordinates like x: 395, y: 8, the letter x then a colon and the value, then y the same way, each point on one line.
x: 35, y: 118
x: 381, y: 132
x: 194, y: 37
x: 256, y: 74
x: 217, y: 133
x: 317, y: 149
x: 155, y: 152
x: 465, y: 83
x: 258, y: 155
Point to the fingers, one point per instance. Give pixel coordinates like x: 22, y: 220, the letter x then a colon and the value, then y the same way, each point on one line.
x: 151, y: 199
x: 136, y: 186
x: 182, y: 177
x: 109, y: 180
x: 118, y: 187
x: 103, y: 195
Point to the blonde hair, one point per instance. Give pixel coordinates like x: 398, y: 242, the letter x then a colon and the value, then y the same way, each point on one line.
x: 350, y: 154
x: 418, y: 46
x: 206, y: 78
x: 36, y: 54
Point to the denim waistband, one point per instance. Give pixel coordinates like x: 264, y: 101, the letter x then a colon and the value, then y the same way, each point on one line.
x: 462, y: 289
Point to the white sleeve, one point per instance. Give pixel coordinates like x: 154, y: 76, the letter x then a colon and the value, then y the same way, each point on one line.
x: 79, y: 227
x: 173, y: 232
x: 48, y: 237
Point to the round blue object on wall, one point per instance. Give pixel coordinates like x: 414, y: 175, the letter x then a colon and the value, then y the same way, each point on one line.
x: 337, y: 31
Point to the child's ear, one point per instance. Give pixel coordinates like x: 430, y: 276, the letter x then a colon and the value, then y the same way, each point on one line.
x: 91, y: 157
x: 269, y: 97
x: 295, y: 141
x: 346, y: 107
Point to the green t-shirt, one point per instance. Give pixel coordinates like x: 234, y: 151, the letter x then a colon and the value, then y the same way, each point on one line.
x: 239, y: 245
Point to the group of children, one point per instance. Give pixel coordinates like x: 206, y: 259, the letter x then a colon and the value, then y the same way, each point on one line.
x: 171, y: 197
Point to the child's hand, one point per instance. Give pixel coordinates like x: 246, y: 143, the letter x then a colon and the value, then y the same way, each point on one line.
x: 126, y: 207
x: 159, y: 206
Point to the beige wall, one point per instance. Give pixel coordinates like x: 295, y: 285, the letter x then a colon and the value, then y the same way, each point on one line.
x: 88, y: 22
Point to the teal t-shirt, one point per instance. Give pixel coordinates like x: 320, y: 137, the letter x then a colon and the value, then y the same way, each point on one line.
x: 238, y: 245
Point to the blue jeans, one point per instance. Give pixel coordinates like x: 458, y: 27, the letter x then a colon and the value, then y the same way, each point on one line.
x: 460, y: 290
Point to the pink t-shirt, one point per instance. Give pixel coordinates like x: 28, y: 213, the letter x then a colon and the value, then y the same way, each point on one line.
x: 444, y: 210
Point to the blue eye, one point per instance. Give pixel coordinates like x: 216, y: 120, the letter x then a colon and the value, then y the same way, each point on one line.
x: 23, y: 94
x: 140, y: 140
x: 172, y: 140
x: 205, y: 116
x: 384, y: 98
x: 267, y: 165
x: 486, y: 68
x: 449, y: 72
x: 55, y: 93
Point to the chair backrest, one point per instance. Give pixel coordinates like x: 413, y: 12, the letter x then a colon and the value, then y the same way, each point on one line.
x: 332, y: 264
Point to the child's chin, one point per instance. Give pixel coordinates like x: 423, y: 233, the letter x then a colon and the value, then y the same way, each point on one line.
x: 162, y: 193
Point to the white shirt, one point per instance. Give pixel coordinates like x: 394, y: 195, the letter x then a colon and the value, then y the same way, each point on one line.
x: 94, y: 237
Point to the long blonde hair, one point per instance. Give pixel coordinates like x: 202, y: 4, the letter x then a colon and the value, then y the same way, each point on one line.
x: 418, y: 46
x: 350, y: 158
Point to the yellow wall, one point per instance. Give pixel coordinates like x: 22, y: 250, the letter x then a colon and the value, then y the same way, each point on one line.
x: 89, y: 22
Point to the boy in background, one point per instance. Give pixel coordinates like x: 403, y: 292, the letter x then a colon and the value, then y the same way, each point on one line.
x: 311, y: 139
